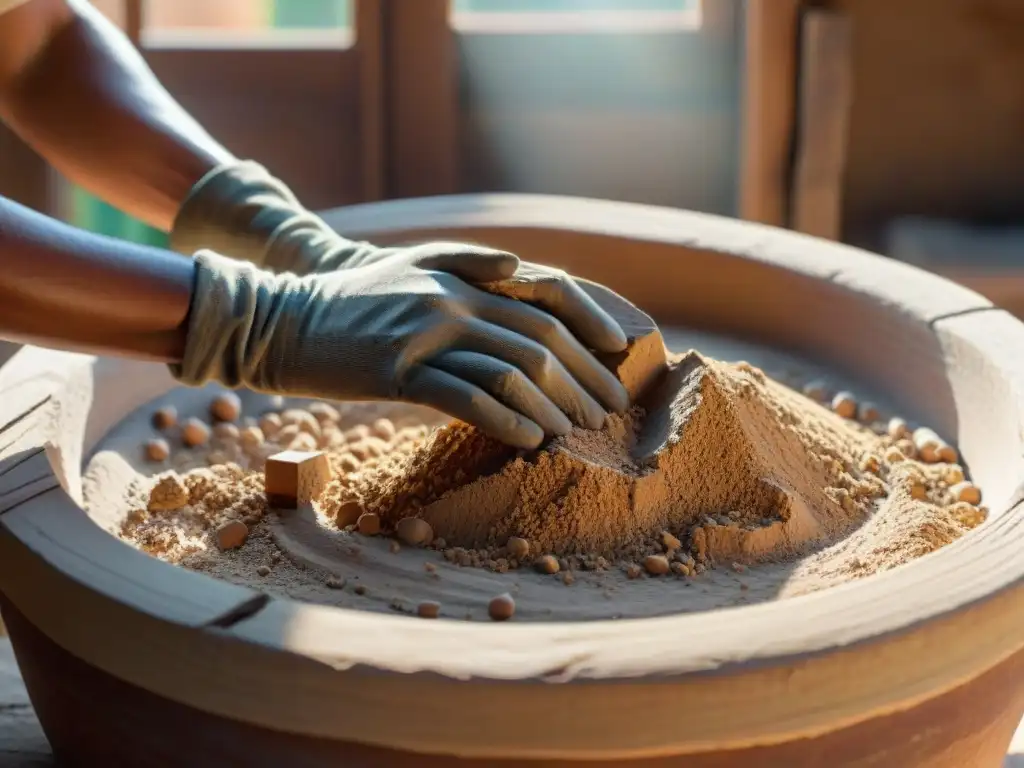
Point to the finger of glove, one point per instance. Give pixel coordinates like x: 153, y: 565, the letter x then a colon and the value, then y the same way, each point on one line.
x: 562, y: 296
x: 538, y: 363
x: 507, y: 384
x: 449, y: 394
x: 550, y: 332
x: 472, y: 264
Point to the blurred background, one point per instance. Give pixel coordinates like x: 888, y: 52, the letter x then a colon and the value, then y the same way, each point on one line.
x: 891, y: 125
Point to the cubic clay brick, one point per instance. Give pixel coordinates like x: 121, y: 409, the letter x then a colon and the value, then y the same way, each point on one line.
x: 296, y: 477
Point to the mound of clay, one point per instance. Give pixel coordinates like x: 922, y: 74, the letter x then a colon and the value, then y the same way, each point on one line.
x: 736, y: 465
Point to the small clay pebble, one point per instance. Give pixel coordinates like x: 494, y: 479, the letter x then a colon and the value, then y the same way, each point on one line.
x: 359, y: 589
x: 948, y: 454
x: 414, y: 531
x: 348, y: 513
x: 263, y: 570
x: 232, y: 535
x: 368, y: 524
x: 194, y: 433
x: 568, y: 579
x: 953, y: 474
x: 304, y: 442
x: 304, y: 420
x: 502, y: 607
x: 633, y: 571
x: 251, y: 437
x: 517, y: 547
x: 739, y: 567
x: 333, y: 582
x: 656, y: 565
x: 225, y: 431
x: 157, y: 450
x: 547, y: 564
x: 165, y: 418
x: 168, y: 494
x: 927, y: 443
x: 868, y: 412
x: 325, y: 413
x: 966, y: 491
x: 816, y: 390
x: 670, y: 542
x: 270, y: 424
x: 918, y: 491
x: 226, y: 407
x: 428, y: 609
x: 845, y: 404
x: 394, y: 547
x: 897, y: 428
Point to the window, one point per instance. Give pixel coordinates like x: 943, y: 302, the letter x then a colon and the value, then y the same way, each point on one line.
x: 574, y: 15
x: 186, y: 42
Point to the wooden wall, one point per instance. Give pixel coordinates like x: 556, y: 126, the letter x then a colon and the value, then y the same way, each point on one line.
x: 937, y: 123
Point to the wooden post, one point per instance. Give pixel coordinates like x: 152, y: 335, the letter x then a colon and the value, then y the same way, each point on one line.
x: 421, y: 99
x: 825, y: 96
x: 769, y: 108
x: 369, y: 48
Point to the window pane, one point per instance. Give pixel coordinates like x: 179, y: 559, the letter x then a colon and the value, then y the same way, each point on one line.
x: 571, y: 6
x: 247, y: 23
x: 568, y: 16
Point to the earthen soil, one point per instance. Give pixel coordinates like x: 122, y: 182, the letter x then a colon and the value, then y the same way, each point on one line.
x: 721, y: 473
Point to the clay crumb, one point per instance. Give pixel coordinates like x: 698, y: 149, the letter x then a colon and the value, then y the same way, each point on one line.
x: 157, y: 450
x: 547, y: 564
x: 428, y: 609
x: 518, y: 548
x: 165, y: 418
x: 263, y: 570
x: 656, y: 565
x: 231, y: 535
x: 502, y: 607
x: 414, y: 531
x: 169, y: 493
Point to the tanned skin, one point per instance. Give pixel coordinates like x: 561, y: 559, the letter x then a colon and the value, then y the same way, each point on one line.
x: 75, y: 89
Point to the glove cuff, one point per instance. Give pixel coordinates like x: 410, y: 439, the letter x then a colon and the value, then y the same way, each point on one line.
x: 233, y: 314
x: 241, y: 210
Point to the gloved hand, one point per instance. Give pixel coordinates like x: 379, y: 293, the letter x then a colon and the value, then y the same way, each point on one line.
x: 409, y: 328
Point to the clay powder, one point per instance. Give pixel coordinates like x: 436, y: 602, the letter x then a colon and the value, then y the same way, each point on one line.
x: 719, y: 455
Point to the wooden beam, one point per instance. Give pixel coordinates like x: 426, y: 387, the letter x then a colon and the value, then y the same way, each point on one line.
x: 134, y: 21
x: 769, y: 108
x: 369, y: 49
x: 421, y: 100
x: 825, y: 97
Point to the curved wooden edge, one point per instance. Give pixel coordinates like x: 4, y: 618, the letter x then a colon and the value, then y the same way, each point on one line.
x: 814, y: 667
x: 916, y: 292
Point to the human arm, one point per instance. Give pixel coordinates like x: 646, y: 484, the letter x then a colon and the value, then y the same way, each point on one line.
x: 74, y: 88
x: 66, y: 288
x: 405, y: 328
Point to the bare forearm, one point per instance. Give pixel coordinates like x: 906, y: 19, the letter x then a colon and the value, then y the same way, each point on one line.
x: 65, y: 288
x: 88, y: 102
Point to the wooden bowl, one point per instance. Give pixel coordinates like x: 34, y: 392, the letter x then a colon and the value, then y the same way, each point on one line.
x: 131, y: 661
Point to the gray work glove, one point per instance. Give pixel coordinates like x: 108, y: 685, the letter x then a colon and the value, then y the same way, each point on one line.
x: 241, y: 210
x: 409, y: 328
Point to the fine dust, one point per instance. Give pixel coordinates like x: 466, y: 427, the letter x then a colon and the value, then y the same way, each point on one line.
x: 725, y: 488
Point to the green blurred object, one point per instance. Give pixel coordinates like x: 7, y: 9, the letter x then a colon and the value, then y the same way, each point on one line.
x: 89, y: 212
x: 311, y: 14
